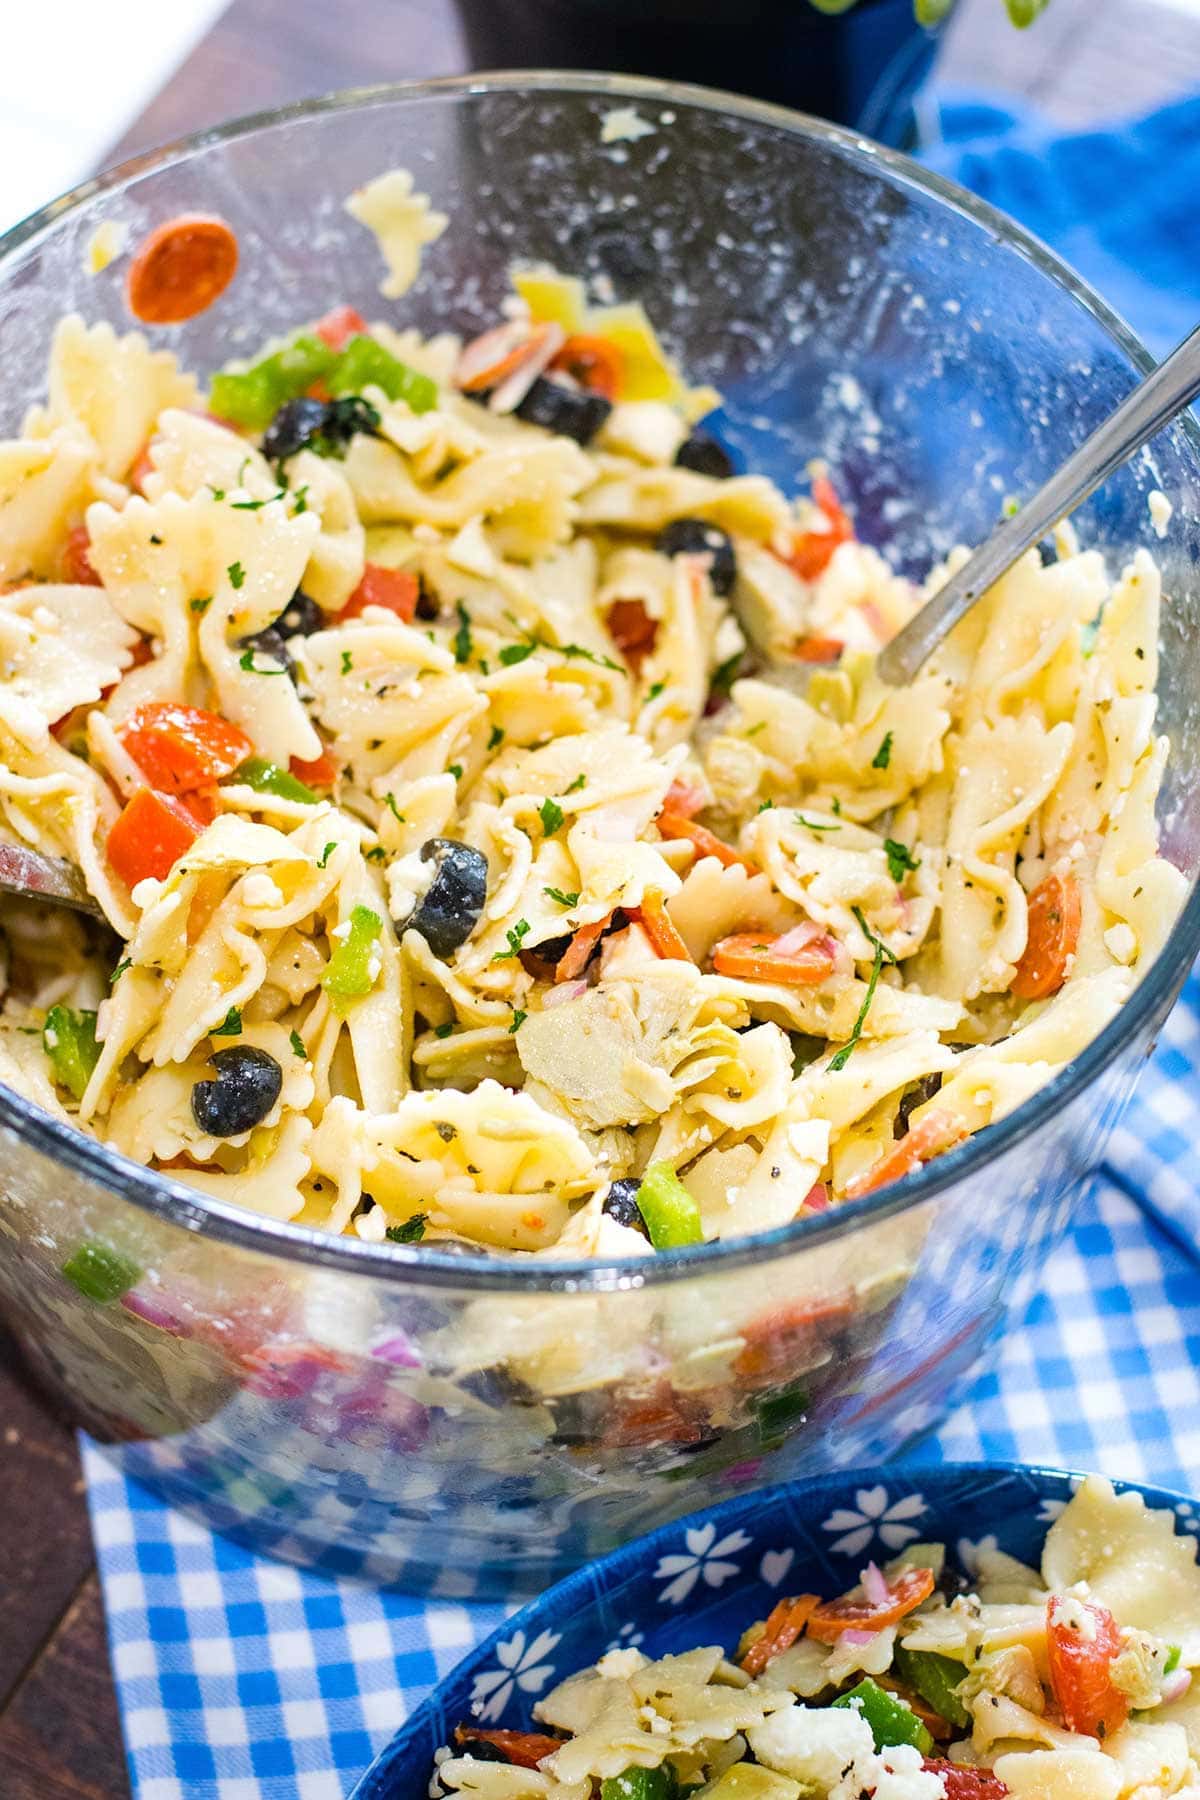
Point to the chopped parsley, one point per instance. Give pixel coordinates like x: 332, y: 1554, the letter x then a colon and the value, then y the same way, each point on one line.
x: 725, y: 674
x: 443, y: 1031
x: 411, y: 1232
x: 814, y: 824
x: 376, y: 853
x: 326, y: 853
x: 230, y: 1026
x: 755, y: 729
x: 389, y: 800
x: 551, y: 815
x: 515, y: 934
x: 496, y: 738
x: 463, y: 641
x: 347, y: 662
x: 835, y: 807
x: 300, y: 501
x: 900, y: 859
x: 516, y: 653
x: 253, y: 506
x: 883, y: 756
x: 655, y: 690
x: 126, y: 962
x: 298, y: 1046
x: 518, y: 1019
x: 580, y: 781
x: 455, y: 769
x: 236, y: 574
x: 557, y: 895
x: 601, y: 662
x: 246, y: 661
x: 882, y: 954
x: 201, y: 605
x: 216, y: 492
x: 768, y: 806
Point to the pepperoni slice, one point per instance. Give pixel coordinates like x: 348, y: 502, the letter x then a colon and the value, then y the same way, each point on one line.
x: 181, y: 268
x: 852, y: 1614
x: 1055, y: 912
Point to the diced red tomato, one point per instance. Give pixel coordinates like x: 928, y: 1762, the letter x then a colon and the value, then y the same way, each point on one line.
x: 812, y: 551
x: 659, y: 1417
x: 632, y: 630
x: 180, y: 749
x: 749, y: 956
x: 655, y: 921
x: 851, y: 1613
x: 397, y: 590
x: 318, y: 390
x: 524, y: 1749
x: 338, y: 326
x: 817, y: 649
x: 181, y: 268
x: 77, y: 564
x: 1080, y: 1666
x: 936, y: 1132
x: 593, y: 362
x: 784, y: 1624
x: 150, y: 836
x: 962, y: 1783
x: 706, y: 842
x: 777, y: 1340
x: 1055, y: 914
x: 321, y: 772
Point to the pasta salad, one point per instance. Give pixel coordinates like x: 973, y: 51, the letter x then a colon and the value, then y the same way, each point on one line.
x: 510, y: 841
x: 1068, y: 1682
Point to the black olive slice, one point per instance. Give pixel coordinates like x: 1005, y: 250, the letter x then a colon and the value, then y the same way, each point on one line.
x: 448, y: 911
x: 620, y: 1203
x: 300, y: 617
x: 705, y: 456
x: 567, y: 411
x: 696, y: 537
x: 296, y: 422
x: 248, y: 1084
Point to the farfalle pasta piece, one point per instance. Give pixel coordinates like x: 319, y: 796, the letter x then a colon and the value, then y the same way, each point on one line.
x: 44, y: 484
x: 60, y: 647
x: 114, y: 387
x: 402, y: 221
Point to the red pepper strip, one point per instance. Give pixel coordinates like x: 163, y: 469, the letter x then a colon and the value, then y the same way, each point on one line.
x: 817, y: 649
x: 1080, y: 1659
x: 397, y: 590
x: 784, y: 1625
x: 962, y: 1783
x: 675, y: 825
x: 748, y: 956
x: 578, y: 953
x: 150, y: 836
x: 593, y: 362
x: 684, y: 802
x: 1054, y: 917
x: 338, y: 326
x: 181, y: 748
x: 812, y: 551
x: 775, y: 1340
x: 936, y: 1132
x: 655, y: 921
x: 851, y: 1614
x: 632, y: 630
x: 524, y: 1749
x: 77, y: 565
x: 321, y: 772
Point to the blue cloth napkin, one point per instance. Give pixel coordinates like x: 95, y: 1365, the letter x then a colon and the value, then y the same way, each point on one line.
x: 242, y: 1679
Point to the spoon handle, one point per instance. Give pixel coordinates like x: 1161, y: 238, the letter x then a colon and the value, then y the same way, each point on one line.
x: 32, y: 875
x: 1151, y: 405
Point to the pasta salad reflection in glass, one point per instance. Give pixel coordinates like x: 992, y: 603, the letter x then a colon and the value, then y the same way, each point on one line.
x: 512, y: 844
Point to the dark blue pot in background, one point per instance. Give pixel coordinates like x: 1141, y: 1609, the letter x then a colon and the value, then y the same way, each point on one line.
x: 859, y: 68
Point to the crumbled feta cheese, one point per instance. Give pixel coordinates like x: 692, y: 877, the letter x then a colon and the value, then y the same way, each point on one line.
x: 372, y: 1226
x: 618, y: 1665
x: 901, y: 1777
x: 341, y: 932
x: 1121, y: 943
x: 146, y: 892
x: 1160, y: 511
x: 259, y: 890
x: 816, y: 1745
x: 624, y: 125
x: 1073, y: 1615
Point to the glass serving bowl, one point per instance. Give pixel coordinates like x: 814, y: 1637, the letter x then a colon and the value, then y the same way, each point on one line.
x: 483, y: 1423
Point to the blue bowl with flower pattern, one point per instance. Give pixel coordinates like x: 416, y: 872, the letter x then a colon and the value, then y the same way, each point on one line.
x: 703, y: 1579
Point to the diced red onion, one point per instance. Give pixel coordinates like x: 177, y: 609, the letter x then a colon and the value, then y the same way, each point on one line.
x: 153, y: 1311
x: 796, y: 938
x: 817, y: 1198
x: 544, y: 346
x: 397, y: 1349
x: 874, y: 1586
x: 857, y: 1638
x: 566, y: 990
x: 1176, y: 1684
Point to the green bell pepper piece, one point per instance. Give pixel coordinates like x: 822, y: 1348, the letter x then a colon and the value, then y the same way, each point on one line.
x: 251, y: 397
x: 1174, y: 1658
x: 268, y: 778
x: 641, y: 1784
x: 745, y: 1781
x: 348, y: 973
x: 891, y: 1720
x: 99, y: 1273
x: 671, y: 1215
x: 935, y: 1678
x: 777, y: 1411
x: 69, y: 1039
x: 365, y: 363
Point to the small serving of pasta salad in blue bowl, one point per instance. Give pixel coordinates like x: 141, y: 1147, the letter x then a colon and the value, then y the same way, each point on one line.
x: 951, y: 1633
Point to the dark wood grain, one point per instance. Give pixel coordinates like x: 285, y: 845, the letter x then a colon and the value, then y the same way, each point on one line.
x: 60, y: 1737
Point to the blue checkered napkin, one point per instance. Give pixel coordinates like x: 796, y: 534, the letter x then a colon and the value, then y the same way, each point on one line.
x: 241, y: 1679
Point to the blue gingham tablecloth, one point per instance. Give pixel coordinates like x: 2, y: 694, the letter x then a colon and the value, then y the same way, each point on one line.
x: 242, y: 1679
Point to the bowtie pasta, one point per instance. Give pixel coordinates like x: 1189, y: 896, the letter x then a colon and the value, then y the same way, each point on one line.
x: 1068, y: 1683
x: 511, y: 841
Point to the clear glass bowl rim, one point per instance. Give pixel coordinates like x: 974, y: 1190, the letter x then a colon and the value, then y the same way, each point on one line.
x: 407, y: 1265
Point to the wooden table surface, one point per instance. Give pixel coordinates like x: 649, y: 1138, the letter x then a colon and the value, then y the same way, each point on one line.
x: 59, y: 1731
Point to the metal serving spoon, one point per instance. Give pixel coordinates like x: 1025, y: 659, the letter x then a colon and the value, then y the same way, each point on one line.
x: 1151, y: 405
x: 47, y: 878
